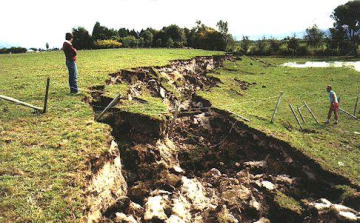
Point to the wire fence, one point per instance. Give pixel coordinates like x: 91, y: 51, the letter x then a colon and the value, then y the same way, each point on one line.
x: 262, y: 108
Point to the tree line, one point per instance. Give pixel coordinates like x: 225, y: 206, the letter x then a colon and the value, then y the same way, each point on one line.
x: 340, y: 40
x: 172, y: 36
x: 13, y: 50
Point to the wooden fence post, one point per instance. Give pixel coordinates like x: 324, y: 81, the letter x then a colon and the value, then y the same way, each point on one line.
x: 46, y: 94
x: 13, y: 100
x: 312, y: 114
x: 353, y: 116
x: 276, y: 107
x: 301, y: 116
x: 112, y: 104
x: 292, y: 110
x: 356, y: 103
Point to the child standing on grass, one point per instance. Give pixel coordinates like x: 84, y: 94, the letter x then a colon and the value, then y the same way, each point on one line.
x: 70, y: 54
x: 334, y: 105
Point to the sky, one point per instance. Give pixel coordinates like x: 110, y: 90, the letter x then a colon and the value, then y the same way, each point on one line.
x: 34, y: 23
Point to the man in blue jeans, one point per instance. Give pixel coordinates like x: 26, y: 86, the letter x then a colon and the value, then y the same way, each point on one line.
x: 70, y: 54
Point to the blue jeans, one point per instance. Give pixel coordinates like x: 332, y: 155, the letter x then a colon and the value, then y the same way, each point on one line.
x: 71, y: 65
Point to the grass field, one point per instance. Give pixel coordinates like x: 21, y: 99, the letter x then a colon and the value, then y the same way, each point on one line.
x: 43, y: 169
x: 335, y: 147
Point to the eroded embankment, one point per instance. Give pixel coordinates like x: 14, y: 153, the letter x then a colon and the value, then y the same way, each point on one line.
x: 213, y: 168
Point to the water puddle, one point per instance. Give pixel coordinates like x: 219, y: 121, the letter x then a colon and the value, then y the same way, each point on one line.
x: 354, y: 65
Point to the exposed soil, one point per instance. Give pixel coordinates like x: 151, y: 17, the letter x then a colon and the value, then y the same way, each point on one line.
x: 212, y: 168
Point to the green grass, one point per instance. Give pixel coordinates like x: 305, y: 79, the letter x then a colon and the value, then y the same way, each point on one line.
x: 44, y: 158
x: 335, y: 147
x: 287, y: 202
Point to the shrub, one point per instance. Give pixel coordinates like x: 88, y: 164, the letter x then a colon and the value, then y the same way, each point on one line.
x: 106, y: 44
x: 129, y: 41
x: 13, y: 50
x: 285, y: 52
x: 302, y: 51
x: 3, y: 51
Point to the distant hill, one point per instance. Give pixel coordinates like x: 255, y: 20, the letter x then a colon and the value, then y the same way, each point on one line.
x: 299, y: 34
x: 6, y: 45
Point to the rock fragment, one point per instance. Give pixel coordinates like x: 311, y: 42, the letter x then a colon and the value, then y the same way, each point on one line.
x: 123, y: 218
x: 155, y: 208
x: 268, y: 185
x: 263, y: 220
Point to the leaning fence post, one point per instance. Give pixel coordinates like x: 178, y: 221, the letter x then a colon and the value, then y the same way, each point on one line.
x: 356, y: 103
x: 112, y: 104
x: 176, y: 112
x: 240, y: 116
x: 312, y: 114
x: 13, y: 100
x: 46, y: 94
x: 301, y: 116
x: 276, y: 107
x: 292, y: 110
x: 353, y: 116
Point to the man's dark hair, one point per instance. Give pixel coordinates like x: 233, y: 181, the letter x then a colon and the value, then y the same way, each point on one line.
x: 68, y: 36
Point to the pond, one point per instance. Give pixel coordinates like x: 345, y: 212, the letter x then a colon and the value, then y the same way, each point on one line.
x: 355, y: 65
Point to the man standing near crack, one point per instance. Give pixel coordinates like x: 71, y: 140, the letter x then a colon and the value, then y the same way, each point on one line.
x: 334, y: 105
x: 70, y: 54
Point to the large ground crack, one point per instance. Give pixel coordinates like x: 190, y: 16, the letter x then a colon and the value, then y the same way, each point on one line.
x: 213, y: 168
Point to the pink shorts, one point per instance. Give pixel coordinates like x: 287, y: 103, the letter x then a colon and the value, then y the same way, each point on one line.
x: 334, y: 106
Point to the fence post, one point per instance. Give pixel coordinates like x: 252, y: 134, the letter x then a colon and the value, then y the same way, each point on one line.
x: 276, y: 107
x: 301, y: 116
x: 353, y: 116
x: 46, y: 94
x: 312, y: 114
x: 13, y: 100
x: 292, y: 110
x: 174, y: 119
x: 112, y: 104
x: 356, y: 103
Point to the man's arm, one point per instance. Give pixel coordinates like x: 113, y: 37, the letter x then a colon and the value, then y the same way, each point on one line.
x: 73, y: 50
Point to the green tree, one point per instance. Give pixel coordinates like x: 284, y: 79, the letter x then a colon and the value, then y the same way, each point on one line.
x: 261, y: 45
x: 223, y: 27
x: 47, y: 46
x: 141, y: 42
x: 274, y: 46
x: 148, y: 38
x: 292, y: 44
x: 347, y: 16
x: 314, y: 36
x: 337, y: 42
x: 245, y: 44
x: 175, y: 33
x: 170, y: 43
x: 103, y: 33
x: 82, y: 38
x: 123, y: 32
x: 129, y: 41
x: 134, y: 33
x: 97, y: 31
x: 158, y: 43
